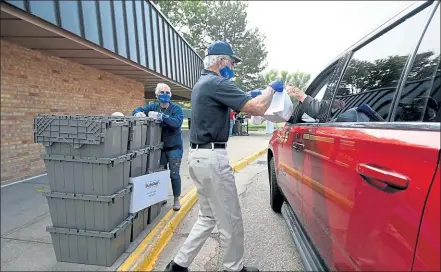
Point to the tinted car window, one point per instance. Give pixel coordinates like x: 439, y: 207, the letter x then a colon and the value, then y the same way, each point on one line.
x: 374, y: 71
x: 420, y: 98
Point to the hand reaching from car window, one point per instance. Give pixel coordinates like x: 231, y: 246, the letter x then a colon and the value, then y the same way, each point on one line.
x: 301, y: 96
x: 296, y: 92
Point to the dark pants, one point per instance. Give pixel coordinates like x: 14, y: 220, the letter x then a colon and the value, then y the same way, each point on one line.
x: 171, y: 159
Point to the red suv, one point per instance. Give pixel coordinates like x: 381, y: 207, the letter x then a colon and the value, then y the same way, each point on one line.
x: 365, y: 195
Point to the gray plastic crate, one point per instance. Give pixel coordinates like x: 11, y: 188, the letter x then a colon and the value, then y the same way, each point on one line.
x: 80, y: 135
x: 91, y: 247
x: 89, y: 176
x: 138, y: 132
x: 160, y: 168
x: 154, y: 211
x: 155, y: 156
x: 154, y: 133
x: 88, y: 212
x: 139, y: 223
x: 138, y: 164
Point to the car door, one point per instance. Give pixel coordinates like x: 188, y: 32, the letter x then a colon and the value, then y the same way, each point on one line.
x: 292, y: 154
x: 282, y: 159
x: 292, y: 166
x: 369, y: 181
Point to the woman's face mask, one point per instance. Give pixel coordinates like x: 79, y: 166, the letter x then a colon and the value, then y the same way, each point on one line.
x: 227, y: 72
x: 164, y: 96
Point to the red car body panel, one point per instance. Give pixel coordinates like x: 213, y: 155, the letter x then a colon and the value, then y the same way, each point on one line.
x: 335, y: 184
x: 427, y: 257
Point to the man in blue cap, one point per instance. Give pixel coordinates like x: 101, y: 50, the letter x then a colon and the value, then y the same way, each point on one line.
x: 212, y: 98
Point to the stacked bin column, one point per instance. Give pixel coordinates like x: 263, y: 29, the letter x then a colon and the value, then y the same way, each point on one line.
x: 89, y: 160
x: 148, y: 156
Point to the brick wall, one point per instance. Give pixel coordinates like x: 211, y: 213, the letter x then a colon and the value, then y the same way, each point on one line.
x: 33, y: 83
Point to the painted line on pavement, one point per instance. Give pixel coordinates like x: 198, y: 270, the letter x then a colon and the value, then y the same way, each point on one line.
x: 144, y: 257
x: 23, y: 180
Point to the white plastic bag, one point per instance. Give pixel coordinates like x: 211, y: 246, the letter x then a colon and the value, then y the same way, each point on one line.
x: 281, y: 108
x: 257, y: 120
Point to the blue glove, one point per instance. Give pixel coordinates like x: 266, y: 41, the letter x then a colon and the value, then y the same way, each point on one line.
x: 255, y: 92
x: 277, y: 85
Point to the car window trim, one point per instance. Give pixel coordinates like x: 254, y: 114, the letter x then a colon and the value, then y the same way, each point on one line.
x: 408, y: 68
x: 428, y: 126
x: 346, y: 58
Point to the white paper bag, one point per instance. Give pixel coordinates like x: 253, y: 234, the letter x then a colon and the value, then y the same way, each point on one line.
x: 257, y: 120
x: 281, y: 108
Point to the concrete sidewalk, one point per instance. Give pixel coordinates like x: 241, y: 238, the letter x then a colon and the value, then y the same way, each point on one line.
x: 268, y: 241
x: 25, y: 244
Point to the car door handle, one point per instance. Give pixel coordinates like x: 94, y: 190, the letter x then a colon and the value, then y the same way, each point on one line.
x: 382, y: 178
x: 298, y: 146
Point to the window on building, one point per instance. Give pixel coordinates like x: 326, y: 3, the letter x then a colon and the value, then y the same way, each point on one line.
x: 44, y: 9
x: 107, y: 25
x: 69, y: 14
x: 131, y: 31
x: 149, y: 35
x: 140, y: 27
x: 162, y: 45
x: 156, y: 41
x: 120, y: 28
x: 90, y: 20
x: 173, y: 54
x: 181, y: 60
x: 167, y: 48
x: 18, y: 3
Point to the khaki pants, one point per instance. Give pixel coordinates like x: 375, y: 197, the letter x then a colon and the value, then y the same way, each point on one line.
x: 218, y: 205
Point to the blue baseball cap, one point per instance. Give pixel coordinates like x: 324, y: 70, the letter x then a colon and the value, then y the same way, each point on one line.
x: 222, y: 48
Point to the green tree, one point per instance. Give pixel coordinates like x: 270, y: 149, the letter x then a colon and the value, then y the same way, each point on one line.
x: 202, y: 22
x: 271, y: 75
x: 298, y: 79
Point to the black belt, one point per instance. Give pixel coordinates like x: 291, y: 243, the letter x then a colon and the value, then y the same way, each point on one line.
x: 209, y: 146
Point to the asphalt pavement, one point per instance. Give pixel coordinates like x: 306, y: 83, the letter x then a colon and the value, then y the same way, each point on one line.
x: 268, y: 242
x: 25, y: 244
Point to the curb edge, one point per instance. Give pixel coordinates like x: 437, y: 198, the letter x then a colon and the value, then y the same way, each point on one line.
x: 144, y: 257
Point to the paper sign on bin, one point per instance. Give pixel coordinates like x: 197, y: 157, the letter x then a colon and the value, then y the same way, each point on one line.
x: 149, y: 189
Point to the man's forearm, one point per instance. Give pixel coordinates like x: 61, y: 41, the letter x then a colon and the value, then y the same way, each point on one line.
x: 260, y: 104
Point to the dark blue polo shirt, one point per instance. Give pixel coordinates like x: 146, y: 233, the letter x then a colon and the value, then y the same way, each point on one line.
x: 211, y: 99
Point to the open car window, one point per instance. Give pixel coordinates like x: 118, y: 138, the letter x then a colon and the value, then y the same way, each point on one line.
x: 319, y: 96
x: 317, y: 90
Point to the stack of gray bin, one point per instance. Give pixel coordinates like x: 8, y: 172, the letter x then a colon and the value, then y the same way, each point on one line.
x: 147, y: 160
x: 89, y: 160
